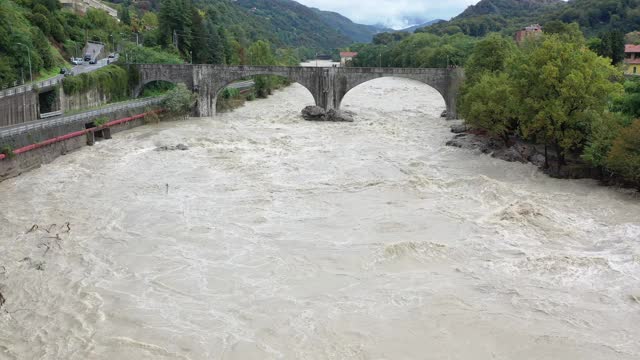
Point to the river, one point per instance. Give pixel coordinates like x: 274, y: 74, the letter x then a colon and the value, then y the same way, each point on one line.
x: 276, y: 238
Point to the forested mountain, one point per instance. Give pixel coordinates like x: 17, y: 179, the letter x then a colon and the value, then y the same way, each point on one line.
x: 495, y: 15
x: 507, y: 8
x: 507, y: 16
x: 355, y: 32
x: 282, y: 22
x: 416, y: 27
x: 294, y: 24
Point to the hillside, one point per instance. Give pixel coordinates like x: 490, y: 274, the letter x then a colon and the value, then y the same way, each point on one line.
x: 593, y: 16
x: 294, y: 24
x: 507, y: 8
x: 355, y: 32
x: 51, y: 35
x: 495, y: 16
x: 426, y: 24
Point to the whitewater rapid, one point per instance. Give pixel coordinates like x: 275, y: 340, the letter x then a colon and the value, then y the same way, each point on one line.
x: 277, y: 238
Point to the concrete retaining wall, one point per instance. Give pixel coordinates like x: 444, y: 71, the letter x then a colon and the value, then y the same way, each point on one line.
x: 19, y: 108
x: 86, y: 100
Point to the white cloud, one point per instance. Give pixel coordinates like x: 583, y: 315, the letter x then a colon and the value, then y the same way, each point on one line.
x: 392, y: 13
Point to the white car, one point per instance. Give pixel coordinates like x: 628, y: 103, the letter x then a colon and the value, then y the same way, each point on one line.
x: 77, y: 61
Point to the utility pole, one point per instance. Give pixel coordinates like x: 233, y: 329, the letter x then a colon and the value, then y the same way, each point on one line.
x: 137, y: 41
x: 29, y: 57
x: 379, y: 59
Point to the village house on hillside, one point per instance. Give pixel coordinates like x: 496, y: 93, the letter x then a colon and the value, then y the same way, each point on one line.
x: 527, y: 31
x: 632, y: 59
x: 346, y: 58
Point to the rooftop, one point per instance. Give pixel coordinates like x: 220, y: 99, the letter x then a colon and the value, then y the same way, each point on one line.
x: 629, y: 48
x: 345, y: 54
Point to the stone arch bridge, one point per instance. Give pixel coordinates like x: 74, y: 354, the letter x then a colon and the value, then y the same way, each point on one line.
x: 328, y: 85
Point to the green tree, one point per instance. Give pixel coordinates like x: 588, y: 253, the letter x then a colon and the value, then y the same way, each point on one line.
x: 200, y: 51
x: 490, y: 55
x: 179, y: 100
x: 215, y: 44
x: 488, y: 105
x: 561, y: 88
x: 175, y: 22
x: 624, y: 158
x: 260, y: 54
x: 612, y: 46
x: 125, y: 17
x: 629, y: 102
x: 604, y: 130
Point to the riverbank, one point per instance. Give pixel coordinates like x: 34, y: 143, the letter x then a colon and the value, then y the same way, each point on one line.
x: 521, y: 151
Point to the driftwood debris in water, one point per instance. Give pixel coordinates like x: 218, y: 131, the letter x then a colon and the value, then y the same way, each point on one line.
x: 33, y: 228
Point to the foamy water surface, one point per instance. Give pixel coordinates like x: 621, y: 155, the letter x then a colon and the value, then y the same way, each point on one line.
x: 277, y: 238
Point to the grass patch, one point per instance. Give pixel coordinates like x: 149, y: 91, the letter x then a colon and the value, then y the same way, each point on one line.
x: 7, y: 150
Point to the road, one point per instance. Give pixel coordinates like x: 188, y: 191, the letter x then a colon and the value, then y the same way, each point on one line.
x: 92, y: 49
x: 241, y: 85
x: 76, y: 70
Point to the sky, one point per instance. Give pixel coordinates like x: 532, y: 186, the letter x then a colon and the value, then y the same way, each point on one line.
x: 393, y: 13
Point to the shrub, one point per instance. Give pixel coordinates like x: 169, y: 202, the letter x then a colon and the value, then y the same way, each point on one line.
x: 624, y: 158
x: 110, y: 80
x: 179, y: 100
x: 229, y: 93
x: 8, y: 151
x: 100, y: 121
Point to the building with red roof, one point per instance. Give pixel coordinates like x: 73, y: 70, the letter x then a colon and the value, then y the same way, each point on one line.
x: 528, y: 31
x: 346, y: 58
x: 632, y: 59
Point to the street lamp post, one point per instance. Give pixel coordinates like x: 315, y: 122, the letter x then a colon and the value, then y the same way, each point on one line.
x: 29, y: 57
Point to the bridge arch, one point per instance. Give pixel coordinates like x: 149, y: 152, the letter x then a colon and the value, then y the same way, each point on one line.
x: 359, y: 82
x: 217, y: 90
x: 212, y: 79
x: 175, y: 74
x: 161, y: 84
x: 427, y: 96
x: 445, y: 81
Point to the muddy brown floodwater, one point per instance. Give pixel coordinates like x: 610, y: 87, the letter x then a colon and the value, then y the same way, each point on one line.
x: 276, y: 238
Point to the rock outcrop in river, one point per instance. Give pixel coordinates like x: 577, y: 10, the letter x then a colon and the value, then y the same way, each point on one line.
x: 316, y: 113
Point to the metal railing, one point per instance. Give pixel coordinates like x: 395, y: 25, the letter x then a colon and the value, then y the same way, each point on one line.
x: 40, y: 125
x: 51, y: 114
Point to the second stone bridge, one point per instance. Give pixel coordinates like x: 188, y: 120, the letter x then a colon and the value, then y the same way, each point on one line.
x: 327, y: 85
